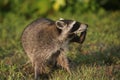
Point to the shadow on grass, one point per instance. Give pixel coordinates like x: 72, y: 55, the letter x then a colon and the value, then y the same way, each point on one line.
x: 108, y: 58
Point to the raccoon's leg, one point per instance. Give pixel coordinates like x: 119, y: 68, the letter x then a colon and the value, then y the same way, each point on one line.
x: 53, y: 59
x: 36, y: 71
x: 63, y: 61
x: 40, y: 70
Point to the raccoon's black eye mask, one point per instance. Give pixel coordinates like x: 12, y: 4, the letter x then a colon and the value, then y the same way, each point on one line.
x: 75, y: 27
x: 78, y: 38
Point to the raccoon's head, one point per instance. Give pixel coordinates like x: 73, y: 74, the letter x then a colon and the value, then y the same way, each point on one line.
x: 71, y: 27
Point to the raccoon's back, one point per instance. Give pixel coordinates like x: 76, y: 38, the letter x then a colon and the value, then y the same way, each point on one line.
x: 32, y: 33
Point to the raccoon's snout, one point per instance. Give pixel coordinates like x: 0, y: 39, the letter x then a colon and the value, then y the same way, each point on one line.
x: 83, y: 27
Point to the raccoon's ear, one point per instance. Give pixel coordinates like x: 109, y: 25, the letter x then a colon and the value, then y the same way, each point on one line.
x: 61, y: 19
x: 60, y: 24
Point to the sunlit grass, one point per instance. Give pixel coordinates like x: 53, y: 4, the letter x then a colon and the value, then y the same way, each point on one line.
x: 98, y: 59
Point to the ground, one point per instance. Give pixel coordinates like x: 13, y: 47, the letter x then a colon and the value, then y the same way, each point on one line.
x: 98, y: 58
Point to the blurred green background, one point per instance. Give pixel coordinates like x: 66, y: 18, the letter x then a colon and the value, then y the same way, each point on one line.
x: 100, y: 51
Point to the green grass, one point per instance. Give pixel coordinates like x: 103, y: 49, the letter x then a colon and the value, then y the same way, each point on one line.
x: 98, y: 58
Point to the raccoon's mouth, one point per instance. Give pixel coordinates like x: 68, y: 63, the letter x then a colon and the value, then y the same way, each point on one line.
x: 80, y: 31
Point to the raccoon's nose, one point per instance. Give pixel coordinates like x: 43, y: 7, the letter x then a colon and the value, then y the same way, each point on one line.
x: 86, y: 25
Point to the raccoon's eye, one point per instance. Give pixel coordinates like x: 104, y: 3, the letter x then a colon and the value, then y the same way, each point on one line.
x: 75, y: 27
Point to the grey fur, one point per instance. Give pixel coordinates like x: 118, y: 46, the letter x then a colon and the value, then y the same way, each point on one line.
x: 45, y: 41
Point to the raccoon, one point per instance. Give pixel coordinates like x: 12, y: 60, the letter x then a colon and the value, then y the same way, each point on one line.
x: 45, y: 41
